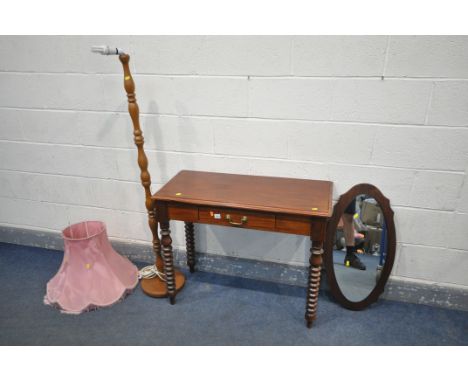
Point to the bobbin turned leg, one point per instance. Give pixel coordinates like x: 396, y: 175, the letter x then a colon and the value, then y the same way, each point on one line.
x: 314, y: 281
x: 190, y: 241
x: 166, y: 242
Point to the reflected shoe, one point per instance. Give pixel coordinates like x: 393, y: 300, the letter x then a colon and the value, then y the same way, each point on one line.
x: 354, y: 262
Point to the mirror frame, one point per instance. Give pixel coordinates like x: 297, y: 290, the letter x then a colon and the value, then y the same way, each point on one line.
x: 332, y: 225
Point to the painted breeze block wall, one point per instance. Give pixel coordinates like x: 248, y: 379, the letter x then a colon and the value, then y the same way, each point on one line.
x: 392, y: 111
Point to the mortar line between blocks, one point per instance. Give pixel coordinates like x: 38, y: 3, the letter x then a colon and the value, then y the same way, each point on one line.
x: 253, y: 118
x: 239, y: 76
x: 429, y: 104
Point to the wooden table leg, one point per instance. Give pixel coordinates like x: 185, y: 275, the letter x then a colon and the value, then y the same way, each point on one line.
x: 190, y: 241
x: 166, y: 244
x: 314, y: 281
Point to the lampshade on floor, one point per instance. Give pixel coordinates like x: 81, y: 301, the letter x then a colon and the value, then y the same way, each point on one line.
x: 92, y: 274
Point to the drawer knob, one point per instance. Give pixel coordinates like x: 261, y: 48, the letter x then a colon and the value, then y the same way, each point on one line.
x: 243, y: 220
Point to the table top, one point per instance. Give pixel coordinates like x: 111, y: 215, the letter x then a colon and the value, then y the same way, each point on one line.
x: 260, y: 193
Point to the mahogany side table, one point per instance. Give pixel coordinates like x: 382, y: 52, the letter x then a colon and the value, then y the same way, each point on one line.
x: 295, y: 206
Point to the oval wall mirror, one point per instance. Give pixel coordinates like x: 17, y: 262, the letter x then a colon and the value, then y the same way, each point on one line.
x: 360, y: 246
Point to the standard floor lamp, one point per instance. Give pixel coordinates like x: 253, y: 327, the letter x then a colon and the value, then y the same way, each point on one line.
x: 154, y: 285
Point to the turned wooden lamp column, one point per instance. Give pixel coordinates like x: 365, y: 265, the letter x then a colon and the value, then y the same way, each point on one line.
x: 154, y: 287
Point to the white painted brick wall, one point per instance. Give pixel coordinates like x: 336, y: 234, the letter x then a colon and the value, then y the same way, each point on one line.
x: 427, y: 56
x: 312, y: 141
x: 339, y: 56
x: 422, y: 262
x: 392, y: 111
x: 449, y: 105
x: 421, y: 148
x: 213, y: 55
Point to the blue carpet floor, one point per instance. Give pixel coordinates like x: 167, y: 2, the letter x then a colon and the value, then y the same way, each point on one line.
x: 211, y: 310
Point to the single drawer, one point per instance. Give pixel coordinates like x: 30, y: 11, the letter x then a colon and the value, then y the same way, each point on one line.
x: 236, y: 218
x: 182, y: 212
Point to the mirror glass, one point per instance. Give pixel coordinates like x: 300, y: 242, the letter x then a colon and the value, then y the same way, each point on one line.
x: 359, y: 248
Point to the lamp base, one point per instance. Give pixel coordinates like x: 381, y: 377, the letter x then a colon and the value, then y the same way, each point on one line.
x: 156, y: 288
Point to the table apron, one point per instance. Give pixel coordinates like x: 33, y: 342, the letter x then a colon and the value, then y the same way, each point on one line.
x: 314, y: 227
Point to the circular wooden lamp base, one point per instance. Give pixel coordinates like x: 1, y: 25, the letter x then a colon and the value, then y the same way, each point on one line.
x: 155, y: 287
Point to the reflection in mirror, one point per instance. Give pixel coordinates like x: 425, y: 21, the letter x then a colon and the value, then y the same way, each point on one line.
x: 360, y: 247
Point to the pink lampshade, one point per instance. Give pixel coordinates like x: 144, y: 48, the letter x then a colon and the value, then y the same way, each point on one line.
x: 92, y: 274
